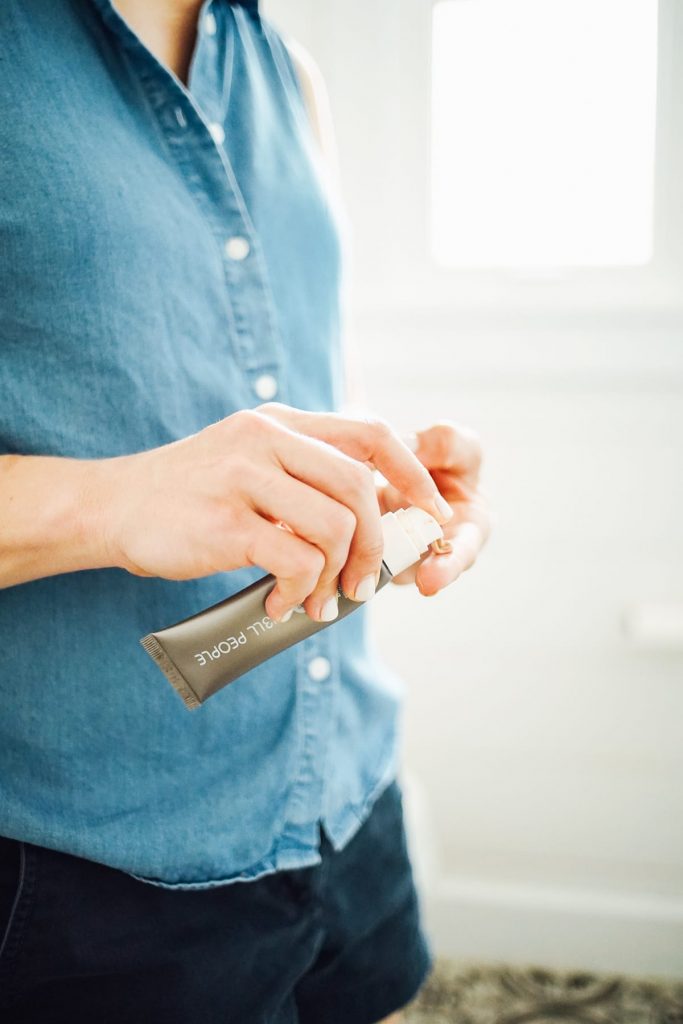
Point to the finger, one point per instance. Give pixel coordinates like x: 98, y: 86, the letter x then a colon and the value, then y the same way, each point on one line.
x: 294, y: 562
x: 318, y: 519
x: 452, y: 486
x: 475, y: 510
x: 351, y: 483
x: 372, y: 440
x: 437, y: 571
x: 448, y: 445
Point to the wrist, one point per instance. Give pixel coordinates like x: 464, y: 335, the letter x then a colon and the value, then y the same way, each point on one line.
x: 53, y: 516
x: 98, y: 494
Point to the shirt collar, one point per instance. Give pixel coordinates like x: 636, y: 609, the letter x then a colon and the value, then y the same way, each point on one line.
x: 249, y: 5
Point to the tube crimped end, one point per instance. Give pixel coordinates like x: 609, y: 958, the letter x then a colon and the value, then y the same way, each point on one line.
x: 178, y: 681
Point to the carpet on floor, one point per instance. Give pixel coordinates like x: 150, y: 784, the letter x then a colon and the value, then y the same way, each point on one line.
x: 458, y: 993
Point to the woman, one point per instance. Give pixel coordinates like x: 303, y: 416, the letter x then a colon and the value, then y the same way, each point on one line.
x: 171, y: 262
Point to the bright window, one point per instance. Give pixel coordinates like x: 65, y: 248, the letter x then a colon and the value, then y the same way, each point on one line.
x: 543, y: 129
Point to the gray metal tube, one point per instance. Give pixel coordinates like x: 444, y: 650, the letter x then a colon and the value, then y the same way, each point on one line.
x: 204, y: 653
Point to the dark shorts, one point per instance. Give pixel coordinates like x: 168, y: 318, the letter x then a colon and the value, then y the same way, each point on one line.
x: 339, y: 943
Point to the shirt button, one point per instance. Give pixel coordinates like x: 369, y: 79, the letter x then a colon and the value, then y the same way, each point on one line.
x: 217, y: 133
x: 210, y: 24
x: 319, y: 669
x: 237, y: 247
x: 265, y: 386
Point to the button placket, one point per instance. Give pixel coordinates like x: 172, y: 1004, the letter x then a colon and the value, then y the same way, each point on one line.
x: 315, y: 701
x: 212, y: 180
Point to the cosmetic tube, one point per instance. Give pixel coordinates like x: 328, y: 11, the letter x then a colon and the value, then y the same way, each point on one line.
x: 202, y: 654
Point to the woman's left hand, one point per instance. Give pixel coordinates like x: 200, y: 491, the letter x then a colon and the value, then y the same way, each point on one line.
x: 453, y: 455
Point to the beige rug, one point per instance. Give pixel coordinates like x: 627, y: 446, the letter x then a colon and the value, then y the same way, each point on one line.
x: 468, y: 994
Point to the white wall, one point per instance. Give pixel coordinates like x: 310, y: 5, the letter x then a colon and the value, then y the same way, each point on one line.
x: 544, y: 737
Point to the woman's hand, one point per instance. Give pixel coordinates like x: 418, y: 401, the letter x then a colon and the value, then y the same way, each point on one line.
x: 452, y: 455
x: 218, y: 500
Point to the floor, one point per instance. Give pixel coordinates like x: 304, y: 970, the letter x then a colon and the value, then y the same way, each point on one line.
x: 474, y: 994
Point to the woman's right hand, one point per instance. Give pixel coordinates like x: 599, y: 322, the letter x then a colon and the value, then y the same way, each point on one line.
x: 217, y: 500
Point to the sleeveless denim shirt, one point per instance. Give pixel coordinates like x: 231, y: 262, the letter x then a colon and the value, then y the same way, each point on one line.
x: 168, y: 255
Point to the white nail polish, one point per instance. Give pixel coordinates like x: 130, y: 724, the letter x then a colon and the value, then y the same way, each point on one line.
x: 193, y: 654
x: 365, y: 589
x: 330, y: 610
x: 445, y: 510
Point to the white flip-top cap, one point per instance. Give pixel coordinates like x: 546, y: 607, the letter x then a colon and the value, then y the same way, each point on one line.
x: 408, y: 532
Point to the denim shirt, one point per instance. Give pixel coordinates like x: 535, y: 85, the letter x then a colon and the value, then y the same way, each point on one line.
x: 168, y: 255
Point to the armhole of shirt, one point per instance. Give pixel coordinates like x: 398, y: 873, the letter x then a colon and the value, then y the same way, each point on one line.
x: 286, y: 69
x: 283, y: 58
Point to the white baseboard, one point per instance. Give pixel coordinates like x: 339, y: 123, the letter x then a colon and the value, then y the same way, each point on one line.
x: 518, y: 924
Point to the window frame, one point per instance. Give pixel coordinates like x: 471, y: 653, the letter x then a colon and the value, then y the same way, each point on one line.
x: 381, y: 104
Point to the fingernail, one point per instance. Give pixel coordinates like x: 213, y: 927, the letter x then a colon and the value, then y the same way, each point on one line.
x: 444, y: 509
x: 283, y: 617
x: 330, y: 610
x: 365, y: 589
x: 411, y: 441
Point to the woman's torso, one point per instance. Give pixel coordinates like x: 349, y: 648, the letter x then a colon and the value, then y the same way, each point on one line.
x: 154, y: 280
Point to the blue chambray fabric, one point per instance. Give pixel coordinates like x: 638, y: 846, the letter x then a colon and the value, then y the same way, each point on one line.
x: 126, y: 323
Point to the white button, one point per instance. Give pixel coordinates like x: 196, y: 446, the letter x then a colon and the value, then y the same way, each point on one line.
x: 210, y: 24
x: 319, y: 669
x: 237, y: 247
x: 180, y: 117
x: 265, y: 386
x: 217, y: 133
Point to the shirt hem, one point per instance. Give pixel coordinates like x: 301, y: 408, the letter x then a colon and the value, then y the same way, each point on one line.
x: 286, y: 857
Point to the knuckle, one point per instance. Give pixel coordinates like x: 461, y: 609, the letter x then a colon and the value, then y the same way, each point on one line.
x: 250, y: 551
x: 311, y: 563
x: 336, y: 529
x: 250, y: 476
x: 341, y: 525
x: 270, y: 408
x: 241, y: 418
x: 253, y: 422
x: 237, y: 466
x: 380, y: 428
x: 302, y: 576
x: 372, y: 551
x: 335, y: 558
x: 360, y: 481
